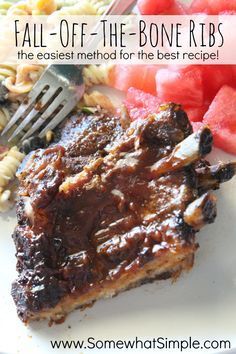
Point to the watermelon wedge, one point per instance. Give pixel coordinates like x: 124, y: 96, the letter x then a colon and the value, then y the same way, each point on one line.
x: 140, y: 104
x: 197, y: 126
x: 142, y: 77
x: 161, y: 7
x: 213, y: 7
x: 196, y: 114
x: 214, y: 77
x: 221, y: 117
x: 182, y: 85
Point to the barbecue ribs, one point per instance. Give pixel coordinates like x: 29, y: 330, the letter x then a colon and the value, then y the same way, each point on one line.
x: 110, y: 206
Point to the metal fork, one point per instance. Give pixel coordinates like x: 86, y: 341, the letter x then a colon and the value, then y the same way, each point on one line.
x: 56, y: 93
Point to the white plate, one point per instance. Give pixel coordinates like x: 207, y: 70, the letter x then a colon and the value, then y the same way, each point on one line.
x: 201, y: 304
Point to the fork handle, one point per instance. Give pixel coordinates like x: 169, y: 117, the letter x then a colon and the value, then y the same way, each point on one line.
x: 120, y: 7
x: 117, y: 7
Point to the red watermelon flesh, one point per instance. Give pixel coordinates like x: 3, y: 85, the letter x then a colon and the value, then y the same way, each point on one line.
x: 154, y: 7
x: 197, y: 126
x: 214, y: 77
x: 142, y: 77
x: 140, y: 104
x: 221, y: 117
x: 228, y: 13
x: 177, y: 9
x: 182, y: 85
x: 234, y: 73
x: 212, y: 7
x: 161, y: 7
x: 196, y: 114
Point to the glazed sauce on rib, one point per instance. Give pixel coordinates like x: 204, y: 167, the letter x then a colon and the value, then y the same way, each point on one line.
x: 85, y: 222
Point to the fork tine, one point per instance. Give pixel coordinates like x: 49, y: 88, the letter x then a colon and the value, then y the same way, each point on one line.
x: 46, y: 114
x: 59, y: 117
x: 39, y: 122
x: 25, y: 106
x: 50, y: 94
x: 20, y: 111
x: 24, y: 123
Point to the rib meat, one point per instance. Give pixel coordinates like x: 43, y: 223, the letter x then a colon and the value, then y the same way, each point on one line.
x: 111, y: 205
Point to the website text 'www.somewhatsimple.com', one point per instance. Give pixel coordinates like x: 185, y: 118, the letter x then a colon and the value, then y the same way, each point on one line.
x: 158, y: 344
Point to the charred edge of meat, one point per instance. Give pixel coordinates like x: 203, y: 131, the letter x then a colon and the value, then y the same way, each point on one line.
x: 22, y: 218
x: 182, y: 119
x: 29, y: 301
x: 168, y: 127
x: 205, y: 141
x: 210, y: 177
x: 191, y: 177
x: 194, y: 147
x: 187, y: 232
x: 201, y: 212
x: 185, y: 153
x: 178, y: 115
x: 223, y: 172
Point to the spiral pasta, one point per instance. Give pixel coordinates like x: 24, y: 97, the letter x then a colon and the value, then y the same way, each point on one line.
x: 85, y: 7
x: 4, y: 117
x: 4, y: 7
x: 42, y: 7
x: 20, y: 79
x: 6, y: 71
x: 65, y: 3
x: 28, y: 7
x: 9, y: 165
x: 5, y: 200
x: 21, y: 8
x: 100, y: 5
x: 23, y: 79
x: 97, y: 74
x: 96, y: 98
